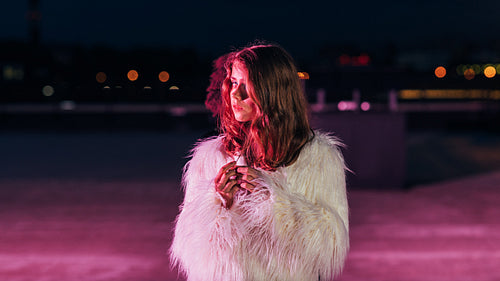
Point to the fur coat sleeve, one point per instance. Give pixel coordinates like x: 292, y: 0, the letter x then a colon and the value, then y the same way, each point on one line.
x: 293, y: 227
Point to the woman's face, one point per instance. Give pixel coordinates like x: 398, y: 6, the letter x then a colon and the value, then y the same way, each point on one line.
x: 244, y: 109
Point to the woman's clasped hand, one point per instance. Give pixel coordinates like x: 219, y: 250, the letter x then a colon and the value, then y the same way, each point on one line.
x: 231, y: 178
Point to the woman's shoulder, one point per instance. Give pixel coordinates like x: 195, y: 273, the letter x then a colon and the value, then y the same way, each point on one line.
x: 323, y: 146
x: 326, y: 140
x: 206, y: 145
x: 207, y: 156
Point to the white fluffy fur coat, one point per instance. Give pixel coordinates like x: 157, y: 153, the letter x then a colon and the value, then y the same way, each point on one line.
x: 294, y: 227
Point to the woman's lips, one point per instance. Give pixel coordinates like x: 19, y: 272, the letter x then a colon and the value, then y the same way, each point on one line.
x: 237, y: 107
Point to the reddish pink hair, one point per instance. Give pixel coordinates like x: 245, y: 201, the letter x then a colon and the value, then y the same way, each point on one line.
x: 214, y: 100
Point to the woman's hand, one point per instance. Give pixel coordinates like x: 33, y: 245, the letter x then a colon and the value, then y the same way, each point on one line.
x: 226, y: 183
x: 247, y: 175
x: 231, y: 178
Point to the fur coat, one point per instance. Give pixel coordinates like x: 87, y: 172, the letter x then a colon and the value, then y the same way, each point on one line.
x: 293, y: 227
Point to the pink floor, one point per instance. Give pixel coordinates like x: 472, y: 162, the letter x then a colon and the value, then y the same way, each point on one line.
x: 444, y: 231
x: 120, y: 230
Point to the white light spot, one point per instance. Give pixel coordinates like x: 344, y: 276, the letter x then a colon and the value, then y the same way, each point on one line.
x: 68, y: 105
x: 48, y: 91
x: 346, y: 105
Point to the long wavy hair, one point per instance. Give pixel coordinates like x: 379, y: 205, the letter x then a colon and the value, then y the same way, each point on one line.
x: 280, y: 127
x: 213, y: 99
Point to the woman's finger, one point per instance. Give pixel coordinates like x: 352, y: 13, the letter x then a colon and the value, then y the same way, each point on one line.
x: 229, y: 175
x: 230, y: 185
x: 223, y: 171
x: 247, y: 176
x: 226, y: 167
x: 248, y: 186
x: 248, y: 171
x: 228, y: 193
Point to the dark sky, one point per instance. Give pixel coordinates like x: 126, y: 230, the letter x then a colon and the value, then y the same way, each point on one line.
x: 215, y: 26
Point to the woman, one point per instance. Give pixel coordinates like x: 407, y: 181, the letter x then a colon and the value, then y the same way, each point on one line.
x: 265, y: 200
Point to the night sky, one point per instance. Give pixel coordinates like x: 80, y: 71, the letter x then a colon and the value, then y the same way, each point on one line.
x: 215, y: 26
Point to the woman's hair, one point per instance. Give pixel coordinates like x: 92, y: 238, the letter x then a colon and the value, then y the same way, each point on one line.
x: 214, y: 100
x: 280, y: 127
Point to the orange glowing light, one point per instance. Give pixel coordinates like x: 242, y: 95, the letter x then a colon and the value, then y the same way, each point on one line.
x: 163, y: 76
x: 303, y: 75
x: 469, y: 74
x: 490, y: 71
x: 132, y: 75
x: 101, y: 77
x: 440, y: 72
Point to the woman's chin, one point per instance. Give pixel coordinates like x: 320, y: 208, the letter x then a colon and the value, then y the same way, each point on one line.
x: 241, y: 119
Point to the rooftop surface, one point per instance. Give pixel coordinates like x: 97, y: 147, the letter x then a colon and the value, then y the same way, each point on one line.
x: 102, y: 206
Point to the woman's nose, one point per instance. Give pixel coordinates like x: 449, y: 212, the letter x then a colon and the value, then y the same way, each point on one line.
x: 236, y: 93
x: 239, y: 93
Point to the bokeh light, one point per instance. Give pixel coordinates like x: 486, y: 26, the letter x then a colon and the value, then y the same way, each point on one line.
x: 365, y: 106
x: 461, y: 69
x: 346, y: 105
x: 48, y: 90
x: 101, y: 77
x: 477, y: 68
x: 163, y: 76
x: 132, y: 75
x: 440, y: 72
x: 449, y: 94
x: 13, y: 73
x: 67, y: 105
x: 364, y: 59
x: 344, y: 59
x: 303, y: 75
x: 410, y: 94
x: 469, y: 74
x: 490, y: 71
x: 174, y: 88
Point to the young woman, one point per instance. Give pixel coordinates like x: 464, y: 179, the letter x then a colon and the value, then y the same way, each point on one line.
x: 265, y: 200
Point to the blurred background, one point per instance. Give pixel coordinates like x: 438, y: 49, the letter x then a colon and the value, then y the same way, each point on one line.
x: 100, y: 101
x: 407, y: 67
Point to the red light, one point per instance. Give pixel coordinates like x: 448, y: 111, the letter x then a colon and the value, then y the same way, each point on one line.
x: 469, y: 74
x: 363, y: 59
x: 344, y: 59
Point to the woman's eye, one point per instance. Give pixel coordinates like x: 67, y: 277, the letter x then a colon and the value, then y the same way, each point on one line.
x: 234, y: 84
